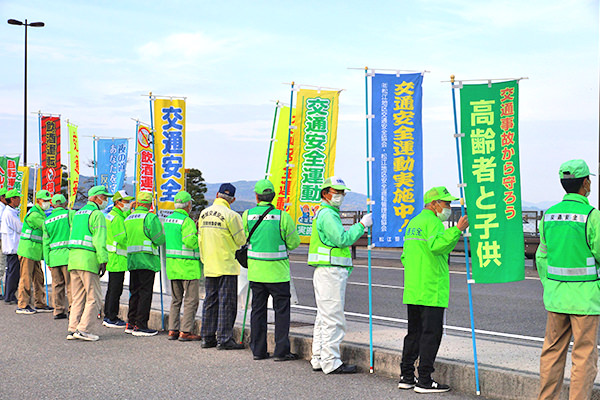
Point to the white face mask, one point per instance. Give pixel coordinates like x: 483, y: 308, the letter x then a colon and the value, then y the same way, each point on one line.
x: 336, y: 200
x: 126, y: 207
x: 45, y: 205
x: 445, y: 214
x: 103, y: 205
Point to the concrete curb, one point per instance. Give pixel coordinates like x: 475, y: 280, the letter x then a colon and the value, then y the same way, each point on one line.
x: 496, y: 383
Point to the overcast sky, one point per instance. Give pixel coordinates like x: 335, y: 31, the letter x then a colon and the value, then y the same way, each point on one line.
x: 93, y: 61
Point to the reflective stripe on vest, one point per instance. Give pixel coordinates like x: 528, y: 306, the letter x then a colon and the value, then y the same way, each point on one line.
x: 282, y: 253
x: 186, y: 253
x: 266, y: 242
x: 28, y: 233
x: 87, y: 241
x: 113, y: 249
x: 174, y: 241
x: 321, y: 254
x: 58, y: 228
x: 145, y: 248
x: 81, y: 236
x: 56, y: 245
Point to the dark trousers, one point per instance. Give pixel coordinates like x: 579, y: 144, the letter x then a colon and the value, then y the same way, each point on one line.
x: 258, y: 319
x: 220, y: 307
x: 141, y: 282
x: 13, y: 274
x: 425, y: 325
x: 113, y: 294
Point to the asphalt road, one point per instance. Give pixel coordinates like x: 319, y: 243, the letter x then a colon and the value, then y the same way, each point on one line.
x: 39, y: 363
x: 513, y: 308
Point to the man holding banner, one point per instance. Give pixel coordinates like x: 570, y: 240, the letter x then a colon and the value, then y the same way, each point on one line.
x: 329, y: 253
x: 568, y: 259
x: 10, y: 227
x: 3, y: 204
x: 427, y: 287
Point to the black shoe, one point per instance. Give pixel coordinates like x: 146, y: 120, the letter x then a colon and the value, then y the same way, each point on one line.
x: 345, y: 369
x: 208, y: 343
x: 60, y: 316
x: 230, y: 345
x: 406, y: 382
x: 287, y: 357
x: 431, y: 387
x: 263, y: 357
x: 1, y: 297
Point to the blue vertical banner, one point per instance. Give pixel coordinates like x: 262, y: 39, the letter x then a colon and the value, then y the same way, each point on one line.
x: 397, y: 149
x: 112, y: 162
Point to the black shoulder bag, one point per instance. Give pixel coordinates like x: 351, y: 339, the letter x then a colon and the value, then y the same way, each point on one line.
x: 241, y: 255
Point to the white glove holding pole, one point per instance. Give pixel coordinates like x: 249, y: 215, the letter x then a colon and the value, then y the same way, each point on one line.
x: 367, y: 220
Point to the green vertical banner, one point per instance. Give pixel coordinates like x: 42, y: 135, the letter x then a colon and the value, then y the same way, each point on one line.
x: 491, y: 172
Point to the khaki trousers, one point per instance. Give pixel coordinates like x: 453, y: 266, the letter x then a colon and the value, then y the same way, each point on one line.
x: 31, y: 275
x: 584, y: 356
x: 188, y: 293
x: 85, y: 308
x: 61, y: 282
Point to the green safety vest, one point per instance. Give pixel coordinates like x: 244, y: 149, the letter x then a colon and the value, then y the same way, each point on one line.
x: 28, y: 233
x: 266, y: 242
x: 137, y: 240
x: 111, y: 244
x: 174, y: 243
x: 81, y: 235
x: 570, y: 258
x: 58, y: 228
x: 321, y: 254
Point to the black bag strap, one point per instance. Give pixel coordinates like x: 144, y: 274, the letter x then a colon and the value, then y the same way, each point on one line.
x: 269, y: 209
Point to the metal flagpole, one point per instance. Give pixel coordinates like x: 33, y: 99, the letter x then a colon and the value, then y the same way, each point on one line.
x: 34, y: 199
x: 470, y: 281
x: 162, y: 251
x: 135, y: 166
x: 369, y: 236
x: 272, y: 140
x: 95, y: 162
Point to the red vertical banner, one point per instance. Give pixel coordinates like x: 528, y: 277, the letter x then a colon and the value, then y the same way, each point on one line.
x: 51, y: 171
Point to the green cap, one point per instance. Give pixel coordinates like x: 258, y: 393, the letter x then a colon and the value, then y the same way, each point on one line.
x: 3, y: 191
x: 574, y: 169
x: 42, y: 194
x: 13, y: 193
x: 58, y: 199
x: 183, y: 197
x: 438, y: 193
x: 145, y: 197
x: 122, y: 195
x: 264, y: 186
x: 100, y: 189
x: 334, y: 182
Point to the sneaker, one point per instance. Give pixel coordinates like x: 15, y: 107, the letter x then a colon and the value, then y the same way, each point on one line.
x: 129, y: 328
x: 60, y: 316
x: 27, y: 310
x: 70, y: 336
x: 44, y: 309
x: 431, y: 387
x: 144, y: 332
x: 114, y: 323
x: 90, y: 337
x: 407, y: 383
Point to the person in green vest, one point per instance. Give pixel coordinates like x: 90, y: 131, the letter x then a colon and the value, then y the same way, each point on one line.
x: 427, y: 244
x: 144, y: 235
x: 329, y: 252
x: 269, y: 272
x: 87, y: 263
x: 56, y: 232
x: 568, y: 262
x: 30, y: 255
x: 116, y: 244
x: 184, y: 268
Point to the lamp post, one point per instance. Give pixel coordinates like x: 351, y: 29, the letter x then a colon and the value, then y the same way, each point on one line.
x: 37, y: 25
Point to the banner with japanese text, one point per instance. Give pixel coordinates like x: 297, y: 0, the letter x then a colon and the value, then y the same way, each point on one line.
x: 144, y: 164
x: 491, y: 171
x: 317, y: 113
x: 397, y: 151
x: 73, y: 164
x: 51, y: 167
x: 169, y: 151
x: 22, y: 185
x: 112, y: 162
x: 278, y: 169
x: 8, y: 171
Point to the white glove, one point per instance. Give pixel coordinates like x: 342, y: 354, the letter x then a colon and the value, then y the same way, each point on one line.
x: 367, y: 220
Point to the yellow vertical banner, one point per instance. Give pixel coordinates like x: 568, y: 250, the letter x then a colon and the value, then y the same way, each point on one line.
x: 278, y: 167
x: 24, y: 189
x: 73, y: 164
x: 317, y: 113
x: 169, y: 151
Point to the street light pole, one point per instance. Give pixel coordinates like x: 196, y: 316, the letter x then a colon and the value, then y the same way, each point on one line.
x: 34, y: 24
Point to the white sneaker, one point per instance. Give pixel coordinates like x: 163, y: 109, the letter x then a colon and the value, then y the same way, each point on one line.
x: 70, y: 336
x: 85, y: 336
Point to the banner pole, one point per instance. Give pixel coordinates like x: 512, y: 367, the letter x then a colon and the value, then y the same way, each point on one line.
x: 271, y: 141
x: 135, y: 166
x: 462, y: 212
x: 69, y: 166
x: 287, y: 159
x: 95, y: 162
x: 41, y: 163
x: 369, y: 236
x: 162, y: 251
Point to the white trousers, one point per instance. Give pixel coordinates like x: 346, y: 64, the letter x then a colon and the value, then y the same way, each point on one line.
x: 330, y: 325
